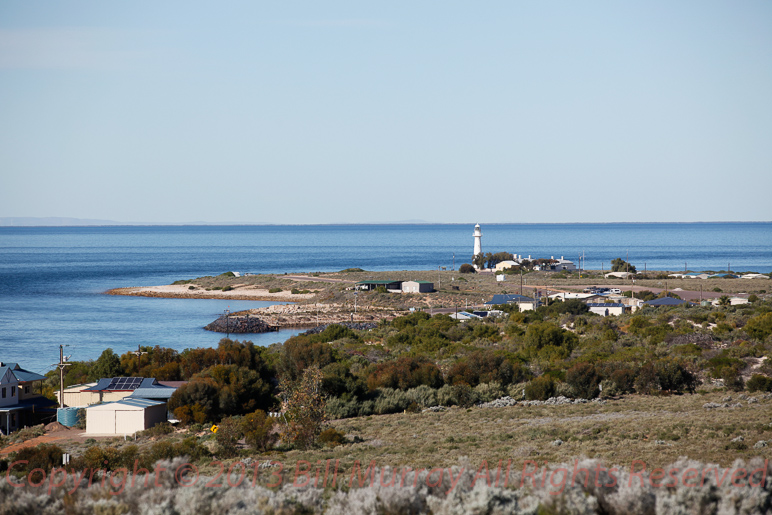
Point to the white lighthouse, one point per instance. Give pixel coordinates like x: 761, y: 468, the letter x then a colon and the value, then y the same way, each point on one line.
x: 477, y: 241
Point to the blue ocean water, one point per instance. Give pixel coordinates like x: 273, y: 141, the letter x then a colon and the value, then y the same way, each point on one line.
x: 52, y: 279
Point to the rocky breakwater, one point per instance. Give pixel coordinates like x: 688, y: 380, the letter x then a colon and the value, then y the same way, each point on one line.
x: 240, y: 325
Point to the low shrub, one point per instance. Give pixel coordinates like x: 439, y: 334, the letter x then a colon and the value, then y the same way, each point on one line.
x: 44, y: 457
x: 391, y: 401
x: 274, y: 290
x: 257, y: 428
x: 164, y: 428
x: 424, y: 396
x: 759, y: 383
x: 584, y: 379
x: 487, y: 392
x: 540, y: 389
x: 331, y: 437
x: 227, y: 436
x: 456, y: 395
x: 339, y: 408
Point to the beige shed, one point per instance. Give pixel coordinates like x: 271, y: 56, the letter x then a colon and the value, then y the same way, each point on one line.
x: 126, y: 416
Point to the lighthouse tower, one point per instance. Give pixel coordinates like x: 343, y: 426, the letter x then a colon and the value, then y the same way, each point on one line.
x: 477, y: 241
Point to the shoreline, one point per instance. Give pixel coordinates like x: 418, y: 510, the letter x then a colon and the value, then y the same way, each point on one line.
x: 172, y: 291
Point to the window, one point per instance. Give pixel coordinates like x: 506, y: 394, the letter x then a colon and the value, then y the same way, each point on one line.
x: 13, y: 391
x: 3, y: 392
x: 26, y: 389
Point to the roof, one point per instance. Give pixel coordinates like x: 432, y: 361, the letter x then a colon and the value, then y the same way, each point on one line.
x: 605, y: 305
x: 665, y: 301
x: 39, y: 403
x: 124, y: 384
x: 506, y: 299
x: 132, y: 402
x: 378, y: 282
x: 162, y: 392
x: 23, y: 376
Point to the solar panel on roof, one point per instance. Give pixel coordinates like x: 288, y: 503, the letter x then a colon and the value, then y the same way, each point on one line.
x: 124, y: 383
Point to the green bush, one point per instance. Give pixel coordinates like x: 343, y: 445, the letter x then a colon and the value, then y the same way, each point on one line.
x: 623, y: 379
x: 257, y: 428
x: 227, y: 288
x: 584, y: 378
x: 331, y: 437
x: 44, y: 457
x: 540, y: 389
x: 466, y: 268
x: 759, y: 383
x: 760, y: 326
x: 274, y: 290
x: 733, y: 380
x: 673, y: 376
x: 229, y: 432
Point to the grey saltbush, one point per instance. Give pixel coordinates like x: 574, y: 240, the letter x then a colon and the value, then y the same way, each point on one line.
x: 487, y: 392
x: 423, y: 395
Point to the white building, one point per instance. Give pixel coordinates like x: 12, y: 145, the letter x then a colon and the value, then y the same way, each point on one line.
x: 584, y: 297
x: 506, y: 265
x: 124, y: 417
x: 417, y: 287
x: 605, y: 310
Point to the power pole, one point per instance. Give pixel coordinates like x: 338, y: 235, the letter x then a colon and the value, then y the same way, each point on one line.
x: 61, y: 366
x: 139, y: 352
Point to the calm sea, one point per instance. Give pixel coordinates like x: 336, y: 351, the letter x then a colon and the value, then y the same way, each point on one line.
x: 52, y: 279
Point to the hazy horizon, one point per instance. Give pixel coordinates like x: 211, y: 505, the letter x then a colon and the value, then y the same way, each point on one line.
x: 73, y: 222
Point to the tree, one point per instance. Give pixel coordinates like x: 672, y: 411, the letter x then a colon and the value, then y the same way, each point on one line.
x: 258, y: 430
x: 498, y: 257
x: 620, y: 265
x: 107, y: 365
x: 724, y: 301
x: 466, y: 268
x: 585, y: 380
x: 304, y: 413
x: 227, y: 437
x: 479, y: 260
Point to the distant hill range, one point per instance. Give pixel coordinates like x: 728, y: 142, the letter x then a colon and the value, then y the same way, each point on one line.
x: 56, y: 221
x: 28, y: 221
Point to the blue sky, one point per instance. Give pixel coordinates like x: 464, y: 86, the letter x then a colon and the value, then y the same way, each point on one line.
x: 356, y: 112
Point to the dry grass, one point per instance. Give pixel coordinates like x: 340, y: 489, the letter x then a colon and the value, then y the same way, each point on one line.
x: 617, y: 432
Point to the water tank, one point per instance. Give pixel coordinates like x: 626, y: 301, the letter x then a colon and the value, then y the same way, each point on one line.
x: 67, y: 416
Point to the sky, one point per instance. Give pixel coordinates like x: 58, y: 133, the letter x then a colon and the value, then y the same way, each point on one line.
x: 362, y: 112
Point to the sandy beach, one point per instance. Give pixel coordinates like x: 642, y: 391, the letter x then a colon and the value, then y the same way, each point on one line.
x: 183, y: 291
